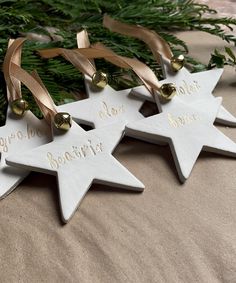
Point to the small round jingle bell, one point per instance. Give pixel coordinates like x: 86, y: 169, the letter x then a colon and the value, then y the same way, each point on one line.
x: 100, y: 79
x: 63, y: 121
x: 168, y: 91
x: 19, y: 106
x: 177, y: 62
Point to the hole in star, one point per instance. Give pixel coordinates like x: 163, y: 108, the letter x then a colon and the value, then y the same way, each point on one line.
x: 149, y: 109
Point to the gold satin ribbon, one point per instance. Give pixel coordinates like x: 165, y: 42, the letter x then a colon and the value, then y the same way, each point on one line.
x: 13, y: 55
x: 75, y: 58
x: 156, y: 43
x: 145, y: 74
x: 39, y: 91
x: 81, y: 59
x: 83, y: 42
x: 15, y: 75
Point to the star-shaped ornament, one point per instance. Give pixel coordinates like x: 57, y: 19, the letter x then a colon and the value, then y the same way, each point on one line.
x: 105, y: 107
x: 17, y: 136
x: 188, y: 129
x: 79, y: 158
x: 191, y: 87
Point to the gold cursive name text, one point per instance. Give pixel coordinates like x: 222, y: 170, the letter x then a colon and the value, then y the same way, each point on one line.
x: 188, y: 88
x: 75, y: 152
x: 110, y: 111
x: 180, y: 121
x: 29, y: 133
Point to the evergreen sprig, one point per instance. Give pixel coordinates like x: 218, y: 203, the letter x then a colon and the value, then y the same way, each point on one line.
x: 20, y: 17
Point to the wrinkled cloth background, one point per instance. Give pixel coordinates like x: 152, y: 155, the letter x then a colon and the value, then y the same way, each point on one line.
x: 169, y: 233
x: 224, y: 7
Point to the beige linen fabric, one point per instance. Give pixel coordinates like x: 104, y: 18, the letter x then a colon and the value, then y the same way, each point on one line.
x: 226, y: 8
x: 170, y: 233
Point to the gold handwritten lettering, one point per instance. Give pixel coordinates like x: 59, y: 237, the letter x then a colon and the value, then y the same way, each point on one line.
x: 186, y: 88
x: 53, y: 163
x: 181, y: 121
x: 19, y: 135
x: 30, y: 132
x: 3, y: 144
x: 75, y: 152
x: 110, y: 111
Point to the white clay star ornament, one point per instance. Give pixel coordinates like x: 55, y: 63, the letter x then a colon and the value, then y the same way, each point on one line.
x: 190, y: 88
x: 188, y: 129
x: 78, y: 159
x: 22, y: 130
x: 19, y: 135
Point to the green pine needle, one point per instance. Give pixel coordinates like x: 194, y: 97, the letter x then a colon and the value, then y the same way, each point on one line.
x: 62, y: 80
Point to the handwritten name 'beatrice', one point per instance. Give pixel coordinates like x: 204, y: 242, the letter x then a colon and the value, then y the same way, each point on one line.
x: 75, y: 153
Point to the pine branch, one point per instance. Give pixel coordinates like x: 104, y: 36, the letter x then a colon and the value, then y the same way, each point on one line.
x: 62, y: 80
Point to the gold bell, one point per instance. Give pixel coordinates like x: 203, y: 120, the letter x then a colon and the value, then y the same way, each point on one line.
x: 177, y: 62
x: 63, y: 121
x: 19, y: 106
x: 100, y: 79
x: 168, y: 91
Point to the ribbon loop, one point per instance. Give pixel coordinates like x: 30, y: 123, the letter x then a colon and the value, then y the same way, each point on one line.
x: 39, y: 91
x: 13, y: 54
x: 83, y: 42
x: 15, y: 75
x: 81, y: 58
x: 156, y: 43
x: 75, y: 58
x: 146, y: 75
